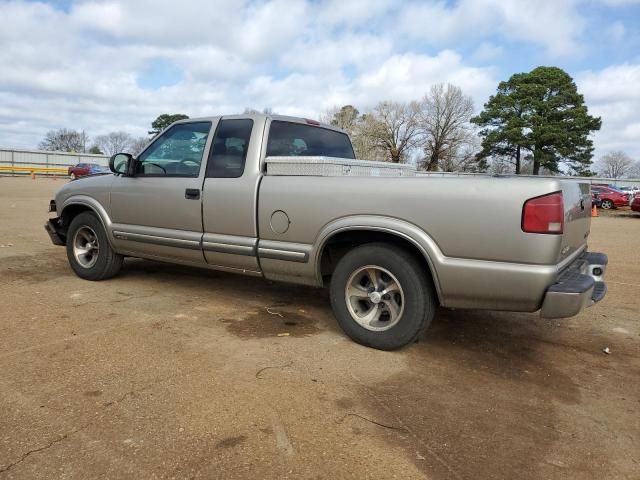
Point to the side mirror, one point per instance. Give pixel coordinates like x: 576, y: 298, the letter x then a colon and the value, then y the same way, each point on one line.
x: 121, y: 163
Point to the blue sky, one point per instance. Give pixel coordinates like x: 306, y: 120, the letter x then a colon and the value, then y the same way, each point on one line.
x: 115, y: 65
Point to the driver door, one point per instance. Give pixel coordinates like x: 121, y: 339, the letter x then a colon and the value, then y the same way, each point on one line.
x: 157, y: 213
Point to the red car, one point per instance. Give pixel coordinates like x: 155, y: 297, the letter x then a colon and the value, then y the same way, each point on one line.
x: 635, y: 204
x: 84, y: 169
x: 610, y: 197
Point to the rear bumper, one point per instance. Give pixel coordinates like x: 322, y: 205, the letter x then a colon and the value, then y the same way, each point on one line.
x: 579, y: 286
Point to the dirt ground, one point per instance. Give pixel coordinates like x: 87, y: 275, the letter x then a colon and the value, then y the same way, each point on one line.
x: 171, y: 372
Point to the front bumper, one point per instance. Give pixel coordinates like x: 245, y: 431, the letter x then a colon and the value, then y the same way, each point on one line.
x: 579, y: 286
x: 52, y: 227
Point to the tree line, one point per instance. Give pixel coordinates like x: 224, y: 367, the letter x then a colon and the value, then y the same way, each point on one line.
x: 78, y: 141
x: 535, y: 123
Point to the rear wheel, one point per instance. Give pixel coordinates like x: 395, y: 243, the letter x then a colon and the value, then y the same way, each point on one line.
x: 88, y: 250
x: 607, y: 204
x: 381, y: 296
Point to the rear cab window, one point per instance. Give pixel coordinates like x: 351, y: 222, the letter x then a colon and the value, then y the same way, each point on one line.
x: 289, y: 139
x: 229, y: 148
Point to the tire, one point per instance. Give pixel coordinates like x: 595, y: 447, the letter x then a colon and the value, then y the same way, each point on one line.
x: 100, y: 262
x: 413, y: 303
x: 607, y: 204
x: 72, y: 176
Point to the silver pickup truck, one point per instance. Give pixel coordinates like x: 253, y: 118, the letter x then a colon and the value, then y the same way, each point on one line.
x: 284, y: 198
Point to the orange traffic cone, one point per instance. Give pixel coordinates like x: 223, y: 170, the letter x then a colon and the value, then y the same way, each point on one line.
x: 594, y: 210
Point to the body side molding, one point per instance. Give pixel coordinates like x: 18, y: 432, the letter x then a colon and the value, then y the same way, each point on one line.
x: 287, y: 251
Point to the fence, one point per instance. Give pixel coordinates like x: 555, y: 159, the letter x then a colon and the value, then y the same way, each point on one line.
x: 24, y: 162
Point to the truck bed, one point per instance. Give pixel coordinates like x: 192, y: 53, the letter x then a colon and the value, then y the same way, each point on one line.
x: 318, y: 166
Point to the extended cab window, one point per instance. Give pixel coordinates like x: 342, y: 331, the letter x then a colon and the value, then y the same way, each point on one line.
x: 229, y: 149
x: 288, y: 139
x: 176, y: 153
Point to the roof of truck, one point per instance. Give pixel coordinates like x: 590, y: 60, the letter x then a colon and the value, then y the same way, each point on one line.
x: 261, y: 116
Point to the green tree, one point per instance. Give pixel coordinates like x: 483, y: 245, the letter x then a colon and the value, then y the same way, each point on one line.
x: 95, y: 150
x: 503, y: 129
x: 540, y: 112
x: 164, y: 120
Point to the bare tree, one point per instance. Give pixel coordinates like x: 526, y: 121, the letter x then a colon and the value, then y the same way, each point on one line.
x: 137, y: 145
x: 445, y: 124
x: 348, y: 118
x: 65, y: 140
x: 465, y: 158
x: 500, y: 165
x: 634, y: 170
x: 114, y: 142
x: 615, y: 164
x: 392, y: 127
x: 251, y: 111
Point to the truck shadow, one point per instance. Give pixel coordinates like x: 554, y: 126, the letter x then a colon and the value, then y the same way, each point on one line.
x: 265, y: 308
x: 479, y: 399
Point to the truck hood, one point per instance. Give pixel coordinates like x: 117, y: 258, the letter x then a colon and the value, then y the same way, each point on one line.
x: 95, y: 186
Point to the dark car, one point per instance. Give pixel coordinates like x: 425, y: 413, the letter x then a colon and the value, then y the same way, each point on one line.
x: 635, y: 203
x: 610, y: 197
x: 84, y: 169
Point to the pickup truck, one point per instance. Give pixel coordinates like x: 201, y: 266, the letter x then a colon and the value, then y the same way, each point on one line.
x: 284, y: 198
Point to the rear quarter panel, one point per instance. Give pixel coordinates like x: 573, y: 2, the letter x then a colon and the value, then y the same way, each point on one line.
x: 480, y: 219
x: 470, y: 229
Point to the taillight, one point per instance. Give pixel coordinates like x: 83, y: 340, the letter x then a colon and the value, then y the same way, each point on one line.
x: 544, y: 214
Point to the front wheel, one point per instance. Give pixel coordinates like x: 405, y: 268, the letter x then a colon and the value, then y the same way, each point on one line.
x: 381, y: 296
x: 88, y: 250
x: 72, y: 176
x: 607, y: 204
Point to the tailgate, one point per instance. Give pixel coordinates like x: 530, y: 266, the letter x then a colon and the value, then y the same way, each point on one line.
x: 577, y: 216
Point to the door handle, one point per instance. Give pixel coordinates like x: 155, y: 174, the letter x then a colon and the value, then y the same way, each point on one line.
x: 192, y: 194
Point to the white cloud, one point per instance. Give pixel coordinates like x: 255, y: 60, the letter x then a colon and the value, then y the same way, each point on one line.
x: 409, y: 76
x: 79, y: 69
x: 352, y: 12
x: 554, y: 25
x: 613, y: 94
x: 331, y: 54
x: 487, y: 51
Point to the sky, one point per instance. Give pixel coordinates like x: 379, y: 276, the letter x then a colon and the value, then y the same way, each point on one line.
x: 116, y: 65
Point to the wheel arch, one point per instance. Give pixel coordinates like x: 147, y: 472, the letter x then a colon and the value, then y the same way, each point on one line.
x: 73, y: 206
x: 338, y: 238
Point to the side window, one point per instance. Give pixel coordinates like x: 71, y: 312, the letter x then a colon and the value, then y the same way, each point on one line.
x: 229, y: 149
x: 176, y: 153
x: 288, y: 139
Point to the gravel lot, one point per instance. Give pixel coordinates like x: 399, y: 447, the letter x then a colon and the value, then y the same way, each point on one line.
x: 171, y: 372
